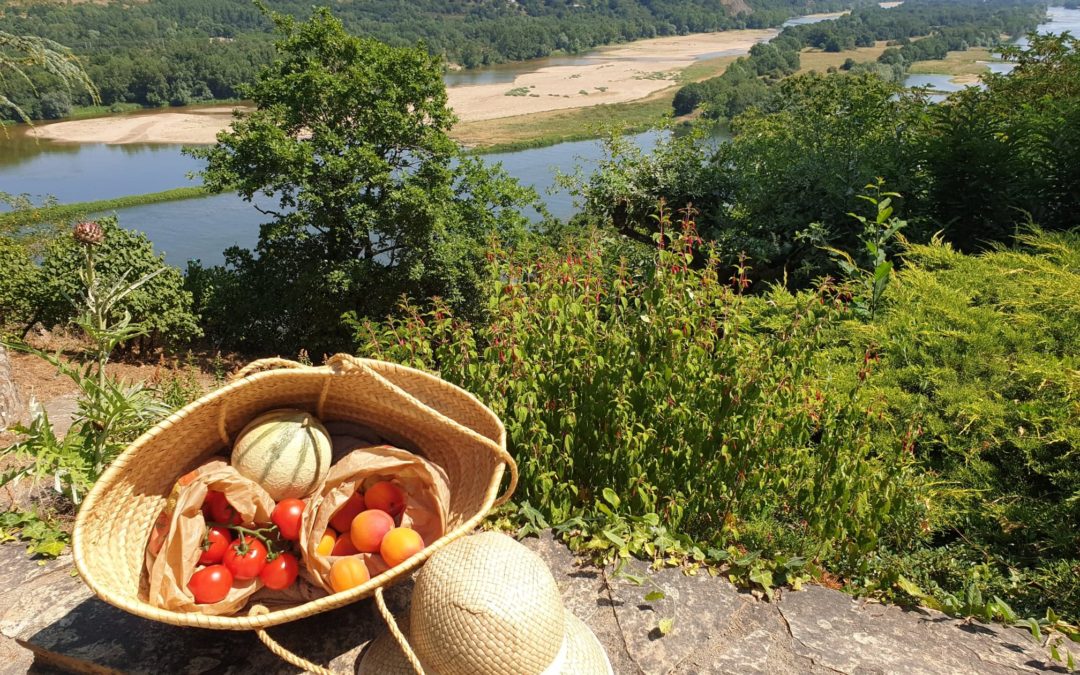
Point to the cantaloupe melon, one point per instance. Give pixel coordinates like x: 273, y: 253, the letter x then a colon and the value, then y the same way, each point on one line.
x: 285, y: 451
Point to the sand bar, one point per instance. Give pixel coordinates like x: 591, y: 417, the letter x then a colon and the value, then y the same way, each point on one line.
x: 611, y: 75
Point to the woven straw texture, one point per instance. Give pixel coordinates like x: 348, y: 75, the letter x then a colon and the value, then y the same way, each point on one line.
x: 446, y: 424
x: 485, y: 606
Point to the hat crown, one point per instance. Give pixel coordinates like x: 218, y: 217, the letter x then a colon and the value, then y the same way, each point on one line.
x: 485, y: 604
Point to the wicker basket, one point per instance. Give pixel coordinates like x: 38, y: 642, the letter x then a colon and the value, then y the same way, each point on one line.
x: 446, y: 424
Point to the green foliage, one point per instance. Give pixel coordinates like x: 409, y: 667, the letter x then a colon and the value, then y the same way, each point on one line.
x: 1004, y: 154
x: 42, y: 535
x: 944, y: 25
x: 110, y: 413
x: 161, y: 306
x: 375, y: 199
x: 790, y: 164
x: 978, y: 167
x: 19, y: 279
x: 875, y: 272
x: 22, y: 56
x: 796, y: 162
x: 179, y: 386
x: 62, y: 213
x: 981, y: 357
x: 628, y: 182
x: 665, y: 411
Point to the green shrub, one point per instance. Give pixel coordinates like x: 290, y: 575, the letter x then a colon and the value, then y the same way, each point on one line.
x: 18, y: 279
x: 667, y: 400
x: 161, y: 306
x: 980, y: 353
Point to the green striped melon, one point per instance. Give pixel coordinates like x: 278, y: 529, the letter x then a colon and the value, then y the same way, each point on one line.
x: 285, y: 451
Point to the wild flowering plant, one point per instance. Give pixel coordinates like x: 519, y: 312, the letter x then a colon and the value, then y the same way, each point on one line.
x: 657, y: 410
x: 111, y: 413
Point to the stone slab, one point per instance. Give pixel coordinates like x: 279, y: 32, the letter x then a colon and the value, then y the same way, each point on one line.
x: 717, y: 629
x: 847, y: 635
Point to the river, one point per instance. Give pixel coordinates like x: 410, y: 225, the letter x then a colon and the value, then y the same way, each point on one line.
x: 203, y: 228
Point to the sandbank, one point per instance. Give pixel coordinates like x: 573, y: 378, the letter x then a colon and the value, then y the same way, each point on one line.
x: 615, y: 74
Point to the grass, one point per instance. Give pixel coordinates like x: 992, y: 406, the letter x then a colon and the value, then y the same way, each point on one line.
x: 539, y: 130
x: 820, y: 61
x: 81, y: 112
x: 956, y: 63
x: 63, y: 212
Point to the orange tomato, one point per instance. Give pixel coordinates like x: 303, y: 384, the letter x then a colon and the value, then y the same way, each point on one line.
x: 348, y: 573
x: 369, y: 528
x: 326, y: 544
x: 400, y: 544
x: 343, y: 517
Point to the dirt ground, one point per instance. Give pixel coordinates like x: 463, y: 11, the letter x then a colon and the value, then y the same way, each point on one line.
x: 39, y: 382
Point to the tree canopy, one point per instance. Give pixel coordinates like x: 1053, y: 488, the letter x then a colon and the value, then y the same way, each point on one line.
x: 374, y: 200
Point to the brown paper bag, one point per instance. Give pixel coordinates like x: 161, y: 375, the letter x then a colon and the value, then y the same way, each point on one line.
x: 427, y: 497
x: 172, y: 554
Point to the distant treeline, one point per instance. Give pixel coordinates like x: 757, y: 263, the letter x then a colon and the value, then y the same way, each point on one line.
x: 176, y: 52
x: 919, y: 29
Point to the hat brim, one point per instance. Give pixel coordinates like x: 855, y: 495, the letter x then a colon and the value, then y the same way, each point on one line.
x: 584, y: 653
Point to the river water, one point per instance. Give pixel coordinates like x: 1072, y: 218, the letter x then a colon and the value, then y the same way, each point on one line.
x: 203, y: 228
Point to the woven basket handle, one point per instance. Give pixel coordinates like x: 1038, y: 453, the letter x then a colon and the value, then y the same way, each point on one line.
x: 266, y: 364
x: 349, y: 363
x: 399, y: 637
x: 282, y: 653
x: 307, y: 666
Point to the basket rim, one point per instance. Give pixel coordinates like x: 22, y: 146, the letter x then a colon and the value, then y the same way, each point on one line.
x: 276, y: 617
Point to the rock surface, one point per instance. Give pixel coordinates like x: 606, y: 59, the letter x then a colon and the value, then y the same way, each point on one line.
x: 50, y: 621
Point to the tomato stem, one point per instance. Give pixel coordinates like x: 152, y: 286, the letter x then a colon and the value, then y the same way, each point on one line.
x: 263, y: 534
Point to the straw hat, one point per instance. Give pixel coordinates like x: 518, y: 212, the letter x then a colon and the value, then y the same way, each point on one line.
x: 486, y: 605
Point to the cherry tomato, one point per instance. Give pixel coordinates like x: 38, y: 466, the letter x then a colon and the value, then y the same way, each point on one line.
x: 280, y: 573
x: 245, y: 558
x: 287, y: 515
x: 210, y: 584
x: 214, y: 545
x: 221, y: 511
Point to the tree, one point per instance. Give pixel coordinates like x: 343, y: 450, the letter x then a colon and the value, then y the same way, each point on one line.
x: 373, y: 198
x: 1006, y: 153
x: 803, y: 158
x: 55, y: 105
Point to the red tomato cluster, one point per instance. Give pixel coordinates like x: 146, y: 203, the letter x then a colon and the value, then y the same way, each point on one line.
x: 254, y: 551
x: 367, y: 523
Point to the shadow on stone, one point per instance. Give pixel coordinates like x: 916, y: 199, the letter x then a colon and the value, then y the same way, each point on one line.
x: 975, y: 629
x: 99, y: 635
x: 1045, y: 667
